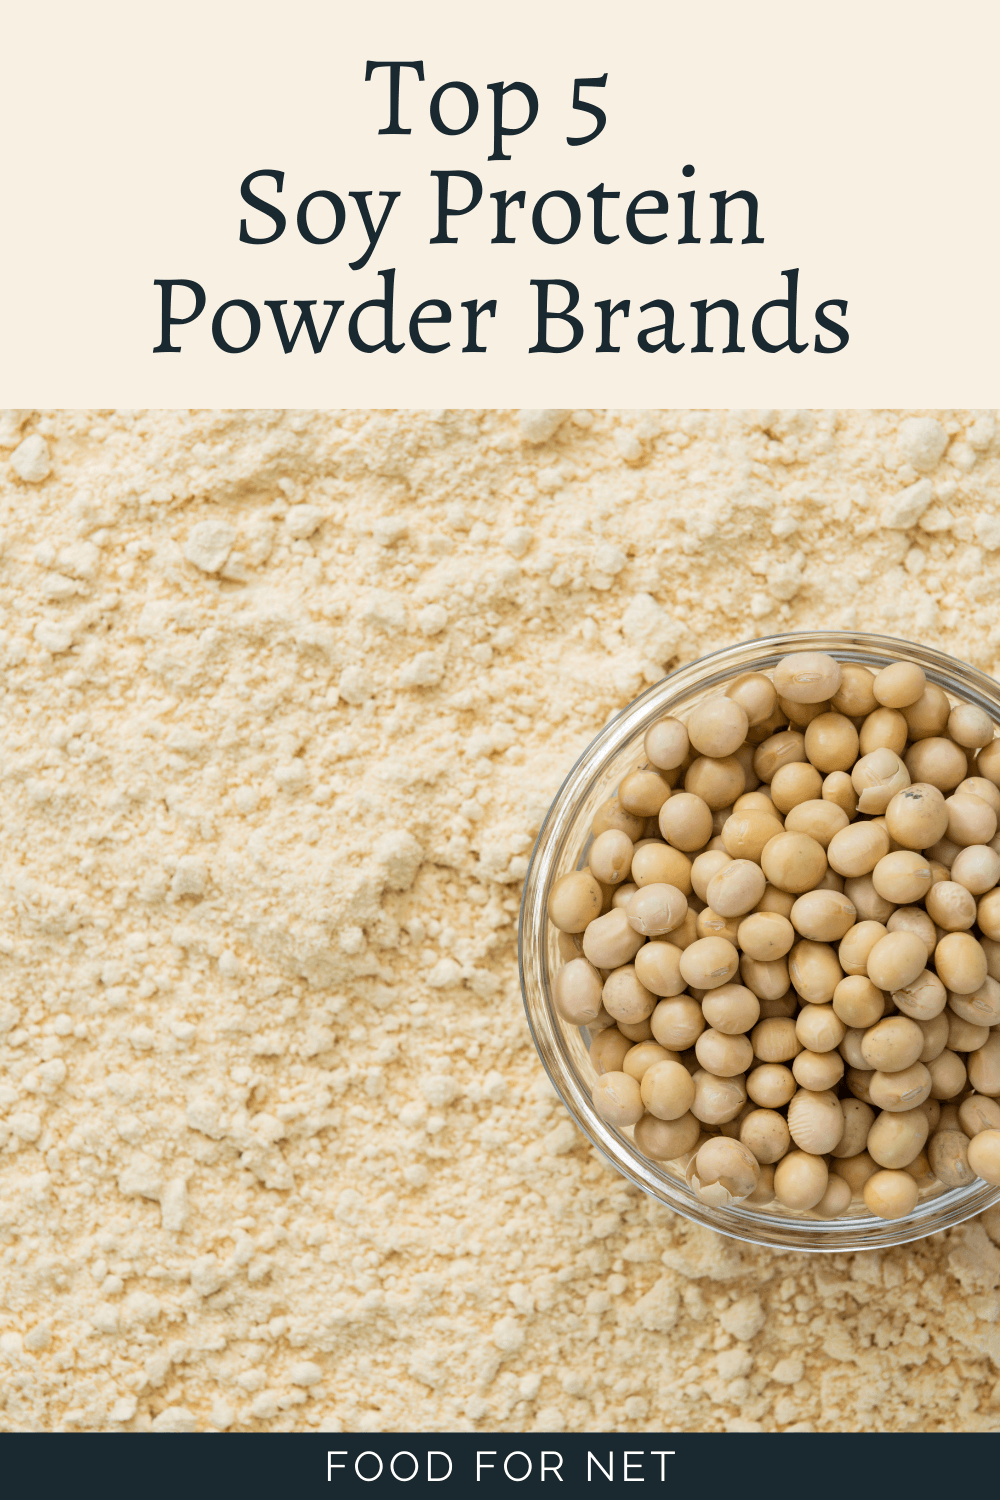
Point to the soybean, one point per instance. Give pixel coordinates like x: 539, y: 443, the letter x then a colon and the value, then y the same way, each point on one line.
x: 785, y: 945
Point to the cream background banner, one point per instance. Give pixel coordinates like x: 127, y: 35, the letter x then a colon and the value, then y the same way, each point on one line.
x: 866, y: 133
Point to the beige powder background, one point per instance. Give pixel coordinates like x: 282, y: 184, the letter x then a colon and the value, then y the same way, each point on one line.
x: 276, y: 1149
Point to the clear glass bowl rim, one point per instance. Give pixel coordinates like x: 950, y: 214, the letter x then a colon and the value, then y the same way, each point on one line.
x: 591, y: 770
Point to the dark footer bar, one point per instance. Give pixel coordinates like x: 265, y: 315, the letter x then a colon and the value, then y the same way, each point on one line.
x: 186, y: 1467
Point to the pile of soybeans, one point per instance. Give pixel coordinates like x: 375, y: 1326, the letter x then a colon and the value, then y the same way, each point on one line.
x: 785, y: 946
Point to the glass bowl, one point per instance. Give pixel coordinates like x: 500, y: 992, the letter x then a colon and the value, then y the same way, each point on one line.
x: 562, y: 845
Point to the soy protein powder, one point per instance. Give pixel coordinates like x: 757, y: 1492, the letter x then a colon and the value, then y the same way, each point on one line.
x: 285, y: 696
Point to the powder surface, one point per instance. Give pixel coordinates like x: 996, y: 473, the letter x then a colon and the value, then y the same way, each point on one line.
x: 284, y: 699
